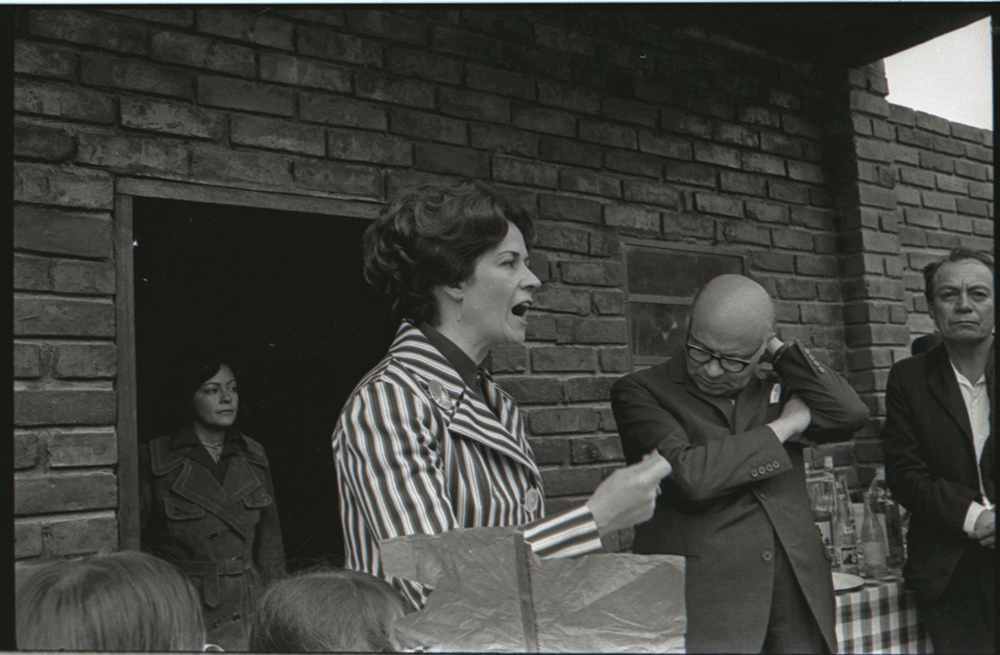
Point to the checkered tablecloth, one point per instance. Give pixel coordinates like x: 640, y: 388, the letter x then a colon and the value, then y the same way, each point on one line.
x: 880, y: 619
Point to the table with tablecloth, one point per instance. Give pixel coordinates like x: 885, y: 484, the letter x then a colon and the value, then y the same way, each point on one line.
x: 880, y: 618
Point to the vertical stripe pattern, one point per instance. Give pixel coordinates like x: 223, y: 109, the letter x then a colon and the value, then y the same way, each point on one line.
x: 417, y: 452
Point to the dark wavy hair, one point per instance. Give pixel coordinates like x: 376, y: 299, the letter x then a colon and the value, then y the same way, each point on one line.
x: 956, y: 255
x: 433, y: 236
x: 125, y: 601
x: 195, y: 364
x: 327, y: 610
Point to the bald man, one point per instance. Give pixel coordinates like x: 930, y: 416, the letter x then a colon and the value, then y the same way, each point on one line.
x: 757, y: 578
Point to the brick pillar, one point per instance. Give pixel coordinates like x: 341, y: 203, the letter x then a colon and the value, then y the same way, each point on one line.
x: 861, y: 151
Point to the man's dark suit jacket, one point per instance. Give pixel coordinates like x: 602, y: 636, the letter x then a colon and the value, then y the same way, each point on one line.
x: 733, y: 487
x: 930, y: 462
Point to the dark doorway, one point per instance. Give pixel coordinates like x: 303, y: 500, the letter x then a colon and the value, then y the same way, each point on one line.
x: 285, y: 292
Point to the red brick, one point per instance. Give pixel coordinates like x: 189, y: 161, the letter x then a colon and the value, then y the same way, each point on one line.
x: 864, y: 335
x: 820, y: 219
x: 938, y: 162
x: 170, y: 117
x: 956, y: 223
x: 135, y: 75
x: 744, y: 233
x: 508, y: 359
x: 89, y: 29
x: 62, y: 101
x: 778, y: 262
x: 792, y: 124
x: 666, y: 146
x: 735, y: 134
x: 550, y: 121
x: 42, y: 143
x: 654, y: 193
x: 916, y: 177
x: 982, y: 227
x: 81, y: 535
x: 230, y: 165
x: 504, y: 139
x: 397, y: 90
x: 938, y: 201
x: 819, y: 314
x: 247, y: 25
x: 760, y: 116
x: 571, y: 481
x: 50, y: 316
x: 590, y: 182
x: 796, y: 289
x: 537, y: 62
x: 588, y: 388
x: 336, y: 110
x: 563, y: 300
x: 602, y: 274
x: 75, y: 276
x: 604, y: 244
x: 970, y: 169
x: 715, y: 204
x: 741, y: 183
x: 68, y: 233
x: 338, y: 178
x: 85, y: 360
x: 250, y: 96
x: 540, y: 327
x: 324, y: 44
x: 517, y: 171
x: 715, y: 154
x: 72, y: 449
x: 569, y: 151
x: 816, y: 265
x: 45, y: 60
x: 180, y: 17
x: 202, y: 52
x: 694, y: 174
x: 563, y: 358
x: 948, y: 146
x: 549, y: 450
x: 495, y: 80
x: 562, y: 420
x: 627, y: 111
x: 677, y: 120
x: 972, y: 207
x: 943, y: 240
x: 628, y: 161
x: 784, y: 99
x: 922, y: 217
x: 608, y: 303
x: 277, y: 134
x: 766, y: 212
x: 966, y: 133
x: 27, y: 361
x: 27, y: 543
x: 65, y: 493
x: 451, y: 160
x: 530, y: 390
x: 129, y: 154
x: 780, y: 144
x: 980, y: 191
x: 614, y: 360
x: 467, y: 44
x: 474, y: 105
x: 562, y: 237
x: 369, y: 147
x: 285, y: 69
x: 564, y: 96
x: 561, y: 207
x: 793, y: 239
x: 873, y: 288
x: 933, y: 123
x: 323, y: 15
x: 868, y: 103
x: 428, y: 126
x: 55, y: 185
x: 687, y: 226
x: 608, y: 134
x: 593, y: 450
x: 806, y: 172
x: 423, y: 65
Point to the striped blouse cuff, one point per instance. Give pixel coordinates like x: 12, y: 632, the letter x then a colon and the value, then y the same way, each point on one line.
x: 567, y: 534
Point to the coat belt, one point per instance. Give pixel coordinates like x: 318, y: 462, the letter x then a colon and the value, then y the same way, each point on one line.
x: 209, y: 572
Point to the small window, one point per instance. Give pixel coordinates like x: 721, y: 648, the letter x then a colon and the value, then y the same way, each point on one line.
x: 661, y: 281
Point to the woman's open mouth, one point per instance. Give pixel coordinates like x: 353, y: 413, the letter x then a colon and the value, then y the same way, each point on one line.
x: 521, y: 308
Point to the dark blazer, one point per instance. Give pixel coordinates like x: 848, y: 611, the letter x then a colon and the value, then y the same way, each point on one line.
x: 733, y: 487
x: 931, y: 463
x: 217, y: 522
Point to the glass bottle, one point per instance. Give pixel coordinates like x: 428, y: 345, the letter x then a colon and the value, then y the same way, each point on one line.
x: 845, y: 547
x: 822, y: 489
x: 873, y: 543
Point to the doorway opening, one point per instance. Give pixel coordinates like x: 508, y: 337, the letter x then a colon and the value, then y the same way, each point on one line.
x: 285, y: 293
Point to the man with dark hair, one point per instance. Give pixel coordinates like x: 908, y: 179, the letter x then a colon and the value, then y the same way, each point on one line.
x: 939, y: 456
x: 736, y: 504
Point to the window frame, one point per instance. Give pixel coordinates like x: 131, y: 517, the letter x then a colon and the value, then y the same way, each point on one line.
x: 630, y: 244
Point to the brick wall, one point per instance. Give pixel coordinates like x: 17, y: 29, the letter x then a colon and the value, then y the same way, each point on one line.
x: 601, y: 123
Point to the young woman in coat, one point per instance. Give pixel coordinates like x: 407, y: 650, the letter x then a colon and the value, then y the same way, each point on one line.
x: 428, y: 442
x: 207, y: 503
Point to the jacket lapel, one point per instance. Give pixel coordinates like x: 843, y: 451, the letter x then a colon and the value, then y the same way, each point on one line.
x: 724, y: 406
x: 943, y: 386
x: 466, y: 414
x: 197, y: 484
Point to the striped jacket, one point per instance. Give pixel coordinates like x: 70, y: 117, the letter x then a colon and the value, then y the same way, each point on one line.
x: 418, y: 452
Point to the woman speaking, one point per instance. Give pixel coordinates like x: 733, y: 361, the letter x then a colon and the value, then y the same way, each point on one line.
x: 428, y: 442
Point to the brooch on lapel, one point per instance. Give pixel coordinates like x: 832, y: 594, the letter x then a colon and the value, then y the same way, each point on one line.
x: 440, y: 396
x: 531, y: 500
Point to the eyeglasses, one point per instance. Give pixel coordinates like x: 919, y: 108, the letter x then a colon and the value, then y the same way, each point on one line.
x: 730, y: 364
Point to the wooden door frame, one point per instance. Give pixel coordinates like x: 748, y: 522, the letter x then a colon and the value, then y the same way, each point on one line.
x: 126, y: 425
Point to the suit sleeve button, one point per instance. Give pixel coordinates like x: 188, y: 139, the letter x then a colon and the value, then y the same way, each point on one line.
x: 762, y: 470
x: 236, y: 617
x: 217, y: 624
x: 769, y: 467
x: 767, y: 556
x: 776, y: 464
x: 753, y: 473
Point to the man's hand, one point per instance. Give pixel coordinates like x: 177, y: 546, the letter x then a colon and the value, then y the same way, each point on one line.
x: 628, y: 495
x: 985, y: 530
x: 795, y: 418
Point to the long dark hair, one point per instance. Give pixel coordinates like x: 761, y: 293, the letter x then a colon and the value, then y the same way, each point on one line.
x: 433, y: 236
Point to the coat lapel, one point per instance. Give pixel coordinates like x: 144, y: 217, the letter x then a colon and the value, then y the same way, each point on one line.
x: 197, y: 484
x: 944, y: 388
x: 465, y: 413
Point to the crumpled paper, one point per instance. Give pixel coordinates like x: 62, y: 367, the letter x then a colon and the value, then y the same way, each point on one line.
x: 492, y: 594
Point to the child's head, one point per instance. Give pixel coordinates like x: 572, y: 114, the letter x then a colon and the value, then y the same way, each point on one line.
x: 126, y: 601
x: 327, y: 610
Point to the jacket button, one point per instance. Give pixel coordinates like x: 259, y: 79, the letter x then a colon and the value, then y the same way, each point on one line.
x: 769, y: 467
x: 776, y: 464
x: 762, y: 470
x: 217, y: 624
x: 767, y: 556
x: 236, y: 617
x: 753, y: 473
x: 214, y: 535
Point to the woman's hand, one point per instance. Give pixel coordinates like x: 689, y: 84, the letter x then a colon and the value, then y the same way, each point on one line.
x: 628, y: 495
